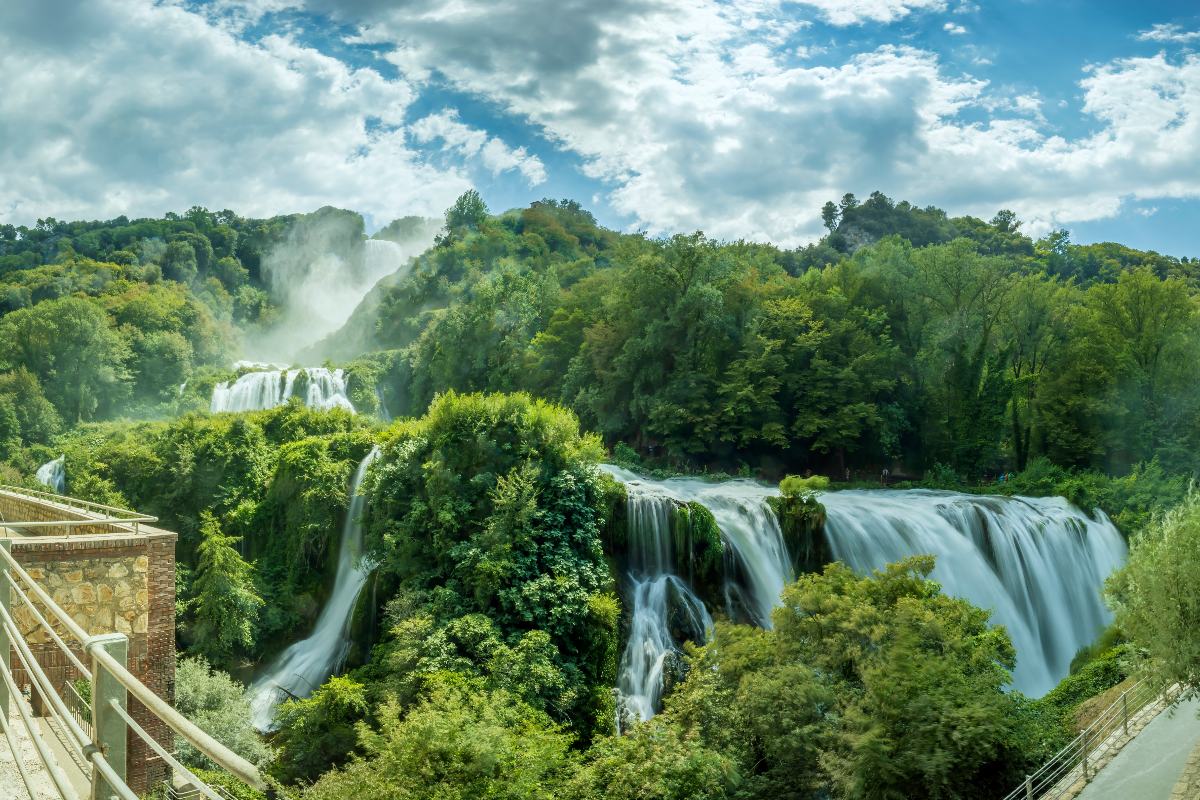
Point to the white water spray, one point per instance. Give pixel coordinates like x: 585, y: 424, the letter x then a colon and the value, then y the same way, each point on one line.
x: 655, y: 593
x: 54, y: 475
x: 260, y: 390
x: 659, y: 598
x: 304, y: 666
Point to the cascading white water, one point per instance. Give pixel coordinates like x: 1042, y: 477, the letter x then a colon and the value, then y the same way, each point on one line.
x: 53, y: 474
x: 263, y: 389
x: 659, y: 597
x: 304, y: 666
x: 1037, y: 564
x: 749, y: 531
x: 654, y: 592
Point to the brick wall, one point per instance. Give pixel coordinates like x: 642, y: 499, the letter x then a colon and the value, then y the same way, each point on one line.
x: 109, y: 582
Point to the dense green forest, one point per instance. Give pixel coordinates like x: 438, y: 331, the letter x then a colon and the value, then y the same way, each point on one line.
x: 517, y: 353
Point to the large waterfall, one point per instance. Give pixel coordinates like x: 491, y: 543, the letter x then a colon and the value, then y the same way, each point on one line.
x: 54, y: 474
x: 306, y: 664
x: 268, y: 388
x: 1038, y: 564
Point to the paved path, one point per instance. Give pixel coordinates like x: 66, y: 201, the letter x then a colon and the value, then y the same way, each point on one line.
x: 11, y: 785
x: 1148, y: 767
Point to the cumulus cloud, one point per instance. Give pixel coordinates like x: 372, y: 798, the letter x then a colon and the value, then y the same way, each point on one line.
x: 689, y: 114
x: 172, y: 110
x: 856, y: 12
x: 1168, y: 32
x: 692, y: 122
x: 470, y: 142
x: 954, y: 29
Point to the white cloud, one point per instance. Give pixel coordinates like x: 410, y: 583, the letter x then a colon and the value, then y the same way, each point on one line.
x: 856, y: 12
x: 1168, y: 32
x: 172, y: 111
x: 692, y: 123
x: 693, y: 114
x: 954, y: 29
x: 470, y: 142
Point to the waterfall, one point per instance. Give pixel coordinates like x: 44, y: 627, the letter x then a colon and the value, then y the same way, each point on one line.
x: 1037, y: 564
x: 263, y: 389
x: 304, y: 666
x: 384, y: 414
x: 53, y: 474
x: 382, y: 258
x: 749, y: 531
x: 660, y: 600
x: 654, y: 593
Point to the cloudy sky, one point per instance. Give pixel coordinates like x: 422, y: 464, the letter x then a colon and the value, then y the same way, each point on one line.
x: 739, y: 118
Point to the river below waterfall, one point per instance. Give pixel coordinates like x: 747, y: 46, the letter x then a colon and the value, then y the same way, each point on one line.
x: 1038, y: 564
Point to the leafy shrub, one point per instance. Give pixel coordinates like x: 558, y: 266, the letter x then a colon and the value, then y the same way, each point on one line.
x: 219, y: 706
x: 318, y: 732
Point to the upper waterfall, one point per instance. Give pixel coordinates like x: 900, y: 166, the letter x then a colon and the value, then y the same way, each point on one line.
x: 1037, y: 564
x: 263, y: 389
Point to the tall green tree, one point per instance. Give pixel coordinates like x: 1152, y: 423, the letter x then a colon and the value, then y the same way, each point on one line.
x: 224, y: 605
x: 71, y: 346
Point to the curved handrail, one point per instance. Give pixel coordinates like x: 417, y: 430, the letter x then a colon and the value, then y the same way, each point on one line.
x: 75, y: 502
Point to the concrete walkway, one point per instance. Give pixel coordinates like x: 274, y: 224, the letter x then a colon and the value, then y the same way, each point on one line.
x: 1148, y: 767
x: 11, y: 784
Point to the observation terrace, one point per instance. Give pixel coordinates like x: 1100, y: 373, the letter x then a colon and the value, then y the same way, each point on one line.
x: 87, y: 620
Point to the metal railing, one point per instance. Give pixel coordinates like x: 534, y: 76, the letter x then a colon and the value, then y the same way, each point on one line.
x: 101, y: 743
x: 94, y: 514
x: 173, y: 792
x: 1084, y: 755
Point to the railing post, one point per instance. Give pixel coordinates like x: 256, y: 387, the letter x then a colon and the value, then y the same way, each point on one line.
x: 5, y: 644
x: 1028, y: 787
x: 108, y: 727
x: 1125, y: 708
x: 1084, y: 750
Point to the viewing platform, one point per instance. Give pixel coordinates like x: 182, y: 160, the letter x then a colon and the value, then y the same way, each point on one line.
x: 87, y: 617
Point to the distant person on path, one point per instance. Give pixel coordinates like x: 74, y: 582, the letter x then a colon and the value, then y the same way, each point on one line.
x: 883, y: 476
x: 847, y: 474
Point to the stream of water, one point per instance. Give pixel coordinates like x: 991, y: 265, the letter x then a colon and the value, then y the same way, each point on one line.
x: 304, y: 666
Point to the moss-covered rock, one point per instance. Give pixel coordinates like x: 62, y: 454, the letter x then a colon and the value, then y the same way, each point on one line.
x: 615, y: 499
x: 802, y: 521
x: 699, y: 551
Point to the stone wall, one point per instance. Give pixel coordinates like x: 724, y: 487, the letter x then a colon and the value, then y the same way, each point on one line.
x: 102, y: 595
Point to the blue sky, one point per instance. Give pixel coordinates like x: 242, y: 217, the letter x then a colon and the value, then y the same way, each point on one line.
x: 737, y: 117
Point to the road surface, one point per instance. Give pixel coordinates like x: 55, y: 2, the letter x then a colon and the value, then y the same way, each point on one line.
x: 1148, y: 767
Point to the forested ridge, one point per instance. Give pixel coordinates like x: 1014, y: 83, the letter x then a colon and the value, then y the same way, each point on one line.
x: 517, y: 353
